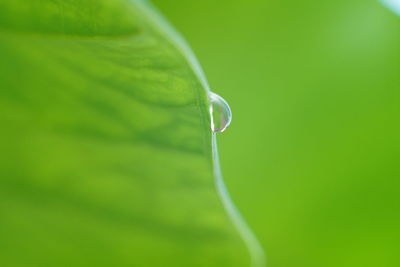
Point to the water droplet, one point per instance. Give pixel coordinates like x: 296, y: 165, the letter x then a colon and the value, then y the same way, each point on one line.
x: 221, y: 115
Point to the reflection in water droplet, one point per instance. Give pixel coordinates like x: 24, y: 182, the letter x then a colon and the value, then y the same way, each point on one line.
x: 221, y: 115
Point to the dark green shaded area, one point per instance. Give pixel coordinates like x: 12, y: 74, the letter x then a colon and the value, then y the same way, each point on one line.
x: 69, y: 17
x: 105, y: 143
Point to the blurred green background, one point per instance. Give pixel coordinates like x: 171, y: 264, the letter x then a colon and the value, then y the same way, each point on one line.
x: 312, y: 156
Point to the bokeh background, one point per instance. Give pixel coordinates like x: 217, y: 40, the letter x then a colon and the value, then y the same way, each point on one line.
x: 312, y: 156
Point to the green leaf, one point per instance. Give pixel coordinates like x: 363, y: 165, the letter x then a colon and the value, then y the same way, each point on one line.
x: 106, y: 154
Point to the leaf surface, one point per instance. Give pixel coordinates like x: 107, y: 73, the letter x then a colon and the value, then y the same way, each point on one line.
x: 105, y: 143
